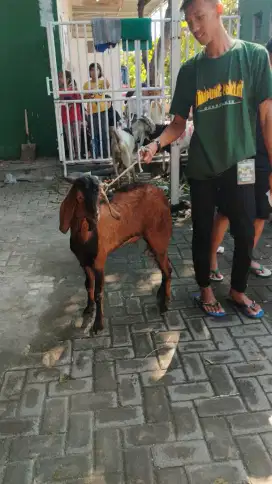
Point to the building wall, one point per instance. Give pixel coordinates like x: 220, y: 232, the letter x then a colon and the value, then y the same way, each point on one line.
x: 249, y: 8
x: 24, y: 67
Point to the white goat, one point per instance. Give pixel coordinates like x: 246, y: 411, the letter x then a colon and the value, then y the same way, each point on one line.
x: 144, y: 128
x: 123, y: 143
x: 122, y: 148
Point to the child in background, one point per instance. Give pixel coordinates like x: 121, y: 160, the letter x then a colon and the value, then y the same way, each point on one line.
x: 97, y: 111
x: 71, y: 114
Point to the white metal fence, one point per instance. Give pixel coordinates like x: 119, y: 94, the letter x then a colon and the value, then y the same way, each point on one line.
x: 87, y: 105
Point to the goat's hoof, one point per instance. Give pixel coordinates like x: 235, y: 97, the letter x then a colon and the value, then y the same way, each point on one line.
x: 98, y: 326
x: 163, y: 308
x: 160, y: 294
x: 89, y: 315
x: 163, y: 304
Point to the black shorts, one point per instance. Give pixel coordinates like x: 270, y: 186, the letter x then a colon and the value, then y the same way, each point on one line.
x: 263, y: 208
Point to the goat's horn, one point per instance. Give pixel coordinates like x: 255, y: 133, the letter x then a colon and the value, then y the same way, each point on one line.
x: 113, y: 212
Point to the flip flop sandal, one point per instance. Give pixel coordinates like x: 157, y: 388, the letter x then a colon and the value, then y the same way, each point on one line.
x: 244, y: 308
x: 216, y: 276
x: 260, y: 271
x: 214, y: 305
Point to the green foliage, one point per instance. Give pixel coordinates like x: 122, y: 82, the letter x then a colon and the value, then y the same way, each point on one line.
x: 188, y: 48
x: 188, y: 45
x: 129, y: 61
x: 230, y: 7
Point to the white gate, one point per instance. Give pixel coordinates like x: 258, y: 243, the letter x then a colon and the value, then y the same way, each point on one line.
x: 132, y: 83
x: 86, y: 107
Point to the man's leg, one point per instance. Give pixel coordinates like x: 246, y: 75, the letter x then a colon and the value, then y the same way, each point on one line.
x: 259, y: 226
x: 203, y: 197
x: 239, y: 205
x: 220, y: 226
x: 263, y: 210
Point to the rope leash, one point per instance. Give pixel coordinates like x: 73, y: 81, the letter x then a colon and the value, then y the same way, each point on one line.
x: 106, y: 187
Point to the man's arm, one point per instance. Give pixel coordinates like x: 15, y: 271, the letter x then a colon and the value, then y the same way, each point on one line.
x: 266, y: 124
x: 172, y: 132
x: 184, y: 97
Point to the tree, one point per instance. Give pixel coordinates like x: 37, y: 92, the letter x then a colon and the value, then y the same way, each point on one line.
x: 230, y: 7
x: 157, y: 51
x: 141, y: 6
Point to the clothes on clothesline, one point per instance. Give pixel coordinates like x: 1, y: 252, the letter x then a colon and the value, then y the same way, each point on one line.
x: 107, y: 32
x: 136, y: 29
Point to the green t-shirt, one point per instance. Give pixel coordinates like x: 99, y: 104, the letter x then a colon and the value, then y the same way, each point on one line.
x: 225, y: 93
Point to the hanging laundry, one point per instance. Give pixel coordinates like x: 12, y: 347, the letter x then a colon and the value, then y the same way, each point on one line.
x: 106, y: 33
x: 136, y: 29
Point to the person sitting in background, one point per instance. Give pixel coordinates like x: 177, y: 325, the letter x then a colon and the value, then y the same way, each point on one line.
x: 97, y: 111
x: 73, y: 112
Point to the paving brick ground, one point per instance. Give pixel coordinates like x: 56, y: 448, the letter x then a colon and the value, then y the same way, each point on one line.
x: 180, y: 399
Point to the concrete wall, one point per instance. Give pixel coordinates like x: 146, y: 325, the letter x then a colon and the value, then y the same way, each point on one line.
x: 24, y: 67
x: 248, y: 8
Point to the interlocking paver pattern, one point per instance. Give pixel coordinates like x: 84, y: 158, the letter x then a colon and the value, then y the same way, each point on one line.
x: 180, y: 398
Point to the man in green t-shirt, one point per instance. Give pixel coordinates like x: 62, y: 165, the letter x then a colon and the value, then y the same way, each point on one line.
x: 225, y: 84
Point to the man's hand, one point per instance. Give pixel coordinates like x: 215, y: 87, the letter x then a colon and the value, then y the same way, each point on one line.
x: 172, y: 132
x: 147, y: 152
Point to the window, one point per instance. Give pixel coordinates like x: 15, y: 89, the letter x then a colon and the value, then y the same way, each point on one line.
x: 257, y: 26
x: 270, y: 26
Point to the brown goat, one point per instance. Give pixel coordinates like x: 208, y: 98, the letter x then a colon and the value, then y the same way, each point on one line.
x: 97, y: 229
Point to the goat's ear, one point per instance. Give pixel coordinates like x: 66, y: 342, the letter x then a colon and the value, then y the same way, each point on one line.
x: 67, y: 209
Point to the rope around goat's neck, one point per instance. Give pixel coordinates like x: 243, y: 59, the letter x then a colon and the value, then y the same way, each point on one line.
x: 106, y: 187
